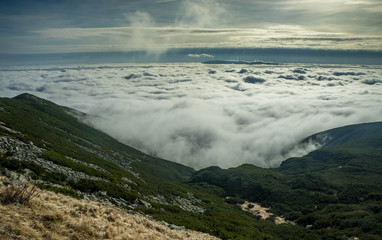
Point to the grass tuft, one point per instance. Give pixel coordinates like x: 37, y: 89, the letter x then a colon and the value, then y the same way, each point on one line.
x: 18, y: 194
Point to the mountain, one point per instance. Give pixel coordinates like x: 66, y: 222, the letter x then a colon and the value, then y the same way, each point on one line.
x: 346, y: 135
x: 356, y: 147
x: 239, y: 62
x: 332, y: 193
x: 338, y: 186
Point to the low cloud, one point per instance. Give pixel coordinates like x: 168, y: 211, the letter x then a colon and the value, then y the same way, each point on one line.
x: 19, y: 87
x: 181, y: 113
x: 293, y: 77
x: 371, y: 81
x: 252, y: 79
x: 348, y: 73
x: 203, y: 55
x: 142, y: 35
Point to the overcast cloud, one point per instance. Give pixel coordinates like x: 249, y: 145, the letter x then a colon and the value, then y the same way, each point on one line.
x: 65, y: 26
x: 203, y: 115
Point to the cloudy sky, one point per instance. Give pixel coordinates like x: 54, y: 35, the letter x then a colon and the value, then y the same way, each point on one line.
x: 44, y: 26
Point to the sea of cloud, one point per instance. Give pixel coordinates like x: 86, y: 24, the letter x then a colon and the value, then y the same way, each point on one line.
x: 202, y: 115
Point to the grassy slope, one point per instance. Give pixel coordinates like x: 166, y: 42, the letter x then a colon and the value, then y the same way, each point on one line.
x: 54, y: 216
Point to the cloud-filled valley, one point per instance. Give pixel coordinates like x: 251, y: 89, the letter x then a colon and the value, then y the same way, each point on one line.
x: 202, y: 115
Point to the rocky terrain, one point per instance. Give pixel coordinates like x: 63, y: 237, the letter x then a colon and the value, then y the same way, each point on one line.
x: 95, y: 215
x: 21, y: 151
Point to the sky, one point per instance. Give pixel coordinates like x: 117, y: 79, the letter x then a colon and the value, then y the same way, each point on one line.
x: 155, y: 26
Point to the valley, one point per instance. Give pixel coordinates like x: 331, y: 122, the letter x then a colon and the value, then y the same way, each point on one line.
x: 334, y: 192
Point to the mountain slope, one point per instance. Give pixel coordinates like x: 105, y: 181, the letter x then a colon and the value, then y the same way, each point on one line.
x: 357, y: 147
x: 338, y: 187
x: 44, y: 143
x: 51, y: 127
x: 345, y: 135
x: 55, y: 216
x: 334, y: 191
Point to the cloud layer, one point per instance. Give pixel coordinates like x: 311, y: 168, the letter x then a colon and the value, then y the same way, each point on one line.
x: 202, y: 115
x: 89, y: 26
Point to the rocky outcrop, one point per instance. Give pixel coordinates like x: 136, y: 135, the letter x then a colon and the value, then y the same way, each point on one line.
x: 29, y: 152
x: 189, y: 203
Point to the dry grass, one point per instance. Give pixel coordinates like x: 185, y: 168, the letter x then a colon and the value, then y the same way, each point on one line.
x: 256, y: 209
x: 55, y: 216
x: 262, y: 212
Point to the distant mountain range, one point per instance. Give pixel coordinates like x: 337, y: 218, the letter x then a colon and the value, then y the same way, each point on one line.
x: 278, y: 55
x: 334, y: 192
x: 239, y: 62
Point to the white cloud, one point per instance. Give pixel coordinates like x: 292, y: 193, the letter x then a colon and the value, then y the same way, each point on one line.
x: 203, y: 55
x: 202, y: 13
x: 182, y: 113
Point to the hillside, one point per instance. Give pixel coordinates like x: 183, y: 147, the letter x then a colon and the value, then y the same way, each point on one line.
x: 55, y: 216
x: 357, y: 147
x: 332, y: 193
x: 347, y: 135
x: 338, y: 186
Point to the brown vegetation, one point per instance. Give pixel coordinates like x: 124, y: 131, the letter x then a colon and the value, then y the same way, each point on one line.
x: 54, y: 216
x: 262, y: 212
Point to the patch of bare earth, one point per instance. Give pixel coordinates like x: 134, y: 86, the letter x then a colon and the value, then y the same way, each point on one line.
x: 258, y: 210
x: 55, y: 216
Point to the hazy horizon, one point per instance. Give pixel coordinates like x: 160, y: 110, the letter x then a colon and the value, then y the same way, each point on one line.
x: 270, y: 55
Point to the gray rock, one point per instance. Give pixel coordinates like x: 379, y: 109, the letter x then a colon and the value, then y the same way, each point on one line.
x: 16, y: 182
x: 102, y: 193
x: 23, y: 178
x: 144, y: 203
x: 164, y: 223
x: 175, y: 227
x: 11, y: 174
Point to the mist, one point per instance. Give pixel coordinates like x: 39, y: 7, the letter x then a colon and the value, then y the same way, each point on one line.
x: 202, y: 115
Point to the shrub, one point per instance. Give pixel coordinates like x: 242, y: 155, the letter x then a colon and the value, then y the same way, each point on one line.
x: 62, y: 190
x: 18, y: 194
x: 234, y: 200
